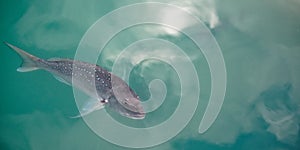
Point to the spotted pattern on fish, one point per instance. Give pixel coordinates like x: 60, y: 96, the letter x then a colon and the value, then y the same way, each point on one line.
x: 92, y: 74
x: 92, y: 79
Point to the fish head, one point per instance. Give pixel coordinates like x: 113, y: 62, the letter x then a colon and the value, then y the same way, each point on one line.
x: 128, y: 107
x: 133, y: 104
x: 125, y: 100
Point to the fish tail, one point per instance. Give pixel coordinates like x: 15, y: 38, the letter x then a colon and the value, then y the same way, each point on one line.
x: 29, y: 63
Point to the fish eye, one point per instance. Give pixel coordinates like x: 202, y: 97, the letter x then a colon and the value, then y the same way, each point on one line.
x: 126, y: 101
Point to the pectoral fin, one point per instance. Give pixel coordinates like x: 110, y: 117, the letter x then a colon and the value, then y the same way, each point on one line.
x: 90, y: 106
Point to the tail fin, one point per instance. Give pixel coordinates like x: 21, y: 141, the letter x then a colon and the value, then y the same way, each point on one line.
x: 29, y: 61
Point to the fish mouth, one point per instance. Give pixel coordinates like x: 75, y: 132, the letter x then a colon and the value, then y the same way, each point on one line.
x: 137, y: 115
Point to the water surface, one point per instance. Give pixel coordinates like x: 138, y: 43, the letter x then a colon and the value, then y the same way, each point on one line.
x: 260, y: 41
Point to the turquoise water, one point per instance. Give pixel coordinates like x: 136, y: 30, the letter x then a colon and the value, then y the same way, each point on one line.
x: 260, y: 42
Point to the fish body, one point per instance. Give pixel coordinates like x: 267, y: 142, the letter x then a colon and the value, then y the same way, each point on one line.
x: 104, y: 88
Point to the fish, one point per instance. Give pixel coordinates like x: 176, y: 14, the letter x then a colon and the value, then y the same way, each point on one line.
x: 104, y: 88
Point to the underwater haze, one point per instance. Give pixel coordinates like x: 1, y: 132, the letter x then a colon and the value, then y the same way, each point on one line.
x: 259, y: 40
